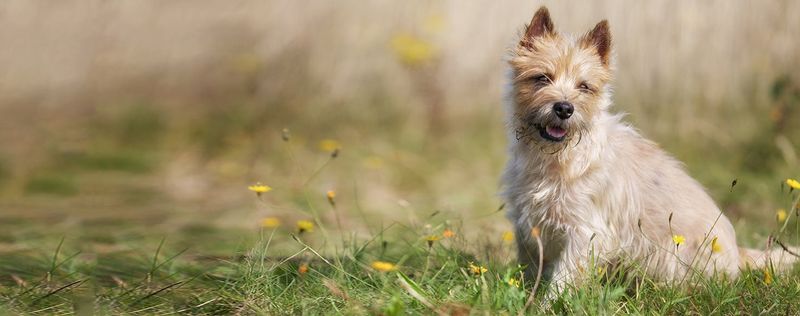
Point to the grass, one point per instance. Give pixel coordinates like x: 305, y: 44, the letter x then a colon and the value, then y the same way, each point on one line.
x: 61, y: 185
x: 328, y: 269
x: 428, y: 280
x: 98, y: 228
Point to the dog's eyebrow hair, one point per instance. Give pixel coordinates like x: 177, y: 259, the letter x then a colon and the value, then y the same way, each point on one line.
x: 525, y: 74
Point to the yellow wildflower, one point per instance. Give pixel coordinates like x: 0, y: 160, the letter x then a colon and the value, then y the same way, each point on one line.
x: 305, y: 226
x: 259, y: 188
x: 331, y: 196
x: 781, y: 215
x: 270, y: 222
x: 302, y: 269
x: 383, y: 266
x: 678, y: 240
x: 715, y: 246
x: 476, y: 270
x: 513, y: 282
x: 447, y: 233
x: 508, y: 236
x: 767, y: 276
x: 431, y: 239
x: 792, y: 183
x: 329, y: 145
x: 411, y: 50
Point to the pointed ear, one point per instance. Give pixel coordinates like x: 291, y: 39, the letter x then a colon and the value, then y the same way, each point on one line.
x: 599, y: 38
x: 540, y: 25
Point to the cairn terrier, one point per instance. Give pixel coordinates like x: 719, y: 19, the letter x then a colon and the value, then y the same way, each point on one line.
x: 589, y: 185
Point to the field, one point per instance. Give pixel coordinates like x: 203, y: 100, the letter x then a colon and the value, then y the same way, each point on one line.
x: 130, y: 132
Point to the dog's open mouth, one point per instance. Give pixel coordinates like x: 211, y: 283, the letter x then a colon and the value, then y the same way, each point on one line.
x: 553, y: 133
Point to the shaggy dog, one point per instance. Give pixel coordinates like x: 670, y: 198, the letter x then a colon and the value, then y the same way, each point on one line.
x: 592, y: 188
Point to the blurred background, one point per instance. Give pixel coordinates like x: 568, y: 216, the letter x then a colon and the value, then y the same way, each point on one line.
x: 127, y: 121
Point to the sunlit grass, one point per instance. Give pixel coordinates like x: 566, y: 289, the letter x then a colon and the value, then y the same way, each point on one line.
x: 359, y: 278
x: 432, y: 264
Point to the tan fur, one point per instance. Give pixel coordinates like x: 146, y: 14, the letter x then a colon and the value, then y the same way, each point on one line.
x: 604, y: 191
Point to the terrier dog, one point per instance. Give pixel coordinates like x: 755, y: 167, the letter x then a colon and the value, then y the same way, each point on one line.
x: 590, y: 186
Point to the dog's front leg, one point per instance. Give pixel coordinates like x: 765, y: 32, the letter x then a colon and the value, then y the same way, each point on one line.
x: 573, y: 263
x: 529, y: 252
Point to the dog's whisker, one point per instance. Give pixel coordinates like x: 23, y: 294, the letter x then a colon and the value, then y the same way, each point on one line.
x: 580, y: 137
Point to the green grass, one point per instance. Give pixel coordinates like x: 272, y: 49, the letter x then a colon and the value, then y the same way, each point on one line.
x: 49, y: 184
x: 143, y: 263
x: 266, y: 279
x: 98, y: 227
x: 280, y: 270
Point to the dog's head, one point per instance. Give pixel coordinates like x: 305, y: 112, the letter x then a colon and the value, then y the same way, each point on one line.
x: 560, y: 83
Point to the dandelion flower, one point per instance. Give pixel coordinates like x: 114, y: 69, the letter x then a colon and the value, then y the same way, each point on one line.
x: 411, y: 50
x: 447, y: 233
x: 302, y: 269
x: 383, y: 266
x: 476, y: 270
x: 331, y: 196
x: 329, y: 145
x: 715, y: 246
x: 767, y: 276
x: 270, y: 222
x: 431, y: 239
x: 259, y: 188
x: 781, y: 215
x: 792, y: 183
x: 508, y: 236
x: 305, y: 226
x: 678, y: 240
x: 513, y: 282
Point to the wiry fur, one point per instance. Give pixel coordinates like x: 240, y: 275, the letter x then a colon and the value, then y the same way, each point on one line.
x: 604, y: 191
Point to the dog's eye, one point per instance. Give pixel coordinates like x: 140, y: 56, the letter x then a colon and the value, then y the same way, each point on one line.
x: 542, y: 79
x: 584, y: 86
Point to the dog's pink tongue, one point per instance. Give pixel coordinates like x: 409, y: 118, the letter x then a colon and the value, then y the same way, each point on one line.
x: 556, y: 132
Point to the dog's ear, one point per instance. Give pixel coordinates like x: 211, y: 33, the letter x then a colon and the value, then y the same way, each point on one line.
x: 599, y: 38
x: 540, y: 25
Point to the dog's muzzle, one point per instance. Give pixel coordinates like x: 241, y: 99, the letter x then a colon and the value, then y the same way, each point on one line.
x: 552, y: 132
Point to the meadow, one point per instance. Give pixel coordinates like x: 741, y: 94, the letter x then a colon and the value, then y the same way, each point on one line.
x: 133, y: 135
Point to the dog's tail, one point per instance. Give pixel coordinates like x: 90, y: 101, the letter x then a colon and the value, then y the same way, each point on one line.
x: 781, y: 259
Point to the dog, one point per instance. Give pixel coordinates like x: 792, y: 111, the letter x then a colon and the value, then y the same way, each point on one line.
x: 589, y: 185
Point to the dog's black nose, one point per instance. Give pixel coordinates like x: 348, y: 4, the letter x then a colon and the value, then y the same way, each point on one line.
x: 563, y: 110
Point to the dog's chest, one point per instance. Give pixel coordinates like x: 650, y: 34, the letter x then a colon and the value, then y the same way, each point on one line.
x: 563, y: 204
